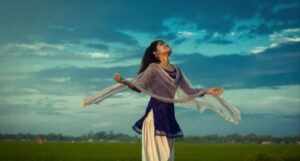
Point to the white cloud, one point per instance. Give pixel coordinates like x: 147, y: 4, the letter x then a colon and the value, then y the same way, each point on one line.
x: 39, y: 45
x: 259, y: 49
x: 38, y: 48
x: 181, y: 27
x: 187, y: 33
x: 11, y: 88
x: 97, y: 55
x: 276, y: 39
x: 101, y: 124
x: 59, y: 80
x: 286, y: 36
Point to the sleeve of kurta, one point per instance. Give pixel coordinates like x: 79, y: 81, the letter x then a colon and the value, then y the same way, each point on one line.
x: 185, y: 85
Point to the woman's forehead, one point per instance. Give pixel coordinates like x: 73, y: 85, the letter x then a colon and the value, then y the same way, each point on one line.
x: 161, y: 42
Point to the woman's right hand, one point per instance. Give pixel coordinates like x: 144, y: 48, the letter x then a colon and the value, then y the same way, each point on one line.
x: 118, y: 78
x: 86, y: 102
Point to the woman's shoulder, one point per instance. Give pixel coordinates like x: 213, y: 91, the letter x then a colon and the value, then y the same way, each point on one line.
x: 153, y: 65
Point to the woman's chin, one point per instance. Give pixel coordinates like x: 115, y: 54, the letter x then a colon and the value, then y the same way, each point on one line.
x: 167, y: 52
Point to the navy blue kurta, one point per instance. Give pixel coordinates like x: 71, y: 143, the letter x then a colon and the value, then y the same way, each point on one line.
x: 164, y: 116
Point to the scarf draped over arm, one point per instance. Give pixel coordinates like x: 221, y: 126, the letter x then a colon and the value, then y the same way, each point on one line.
x: 155, y: 82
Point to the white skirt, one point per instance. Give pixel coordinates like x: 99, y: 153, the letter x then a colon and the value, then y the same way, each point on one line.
x: 155, y: 147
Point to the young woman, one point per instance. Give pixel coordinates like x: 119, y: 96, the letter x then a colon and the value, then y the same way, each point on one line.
x: 158, y: 126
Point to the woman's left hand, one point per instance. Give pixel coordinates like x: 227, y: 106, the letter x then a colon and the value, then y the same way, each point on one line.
x: 215, y: 91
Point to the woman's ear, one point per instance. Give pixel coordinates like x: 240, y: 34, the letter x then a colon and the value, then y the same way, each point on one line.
x: 154, y: 53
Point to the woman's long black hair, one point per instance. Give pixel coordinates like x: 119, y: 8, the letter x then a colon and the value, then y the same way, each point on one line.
x: 149, y: 57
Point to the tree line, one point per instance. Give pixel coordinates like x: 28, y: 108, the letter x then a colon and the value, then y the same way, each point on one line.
x: 110, y: 136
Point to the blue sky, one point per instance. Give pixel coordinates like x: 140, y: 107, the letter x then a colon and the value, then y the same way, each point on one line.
x: 53, y: 54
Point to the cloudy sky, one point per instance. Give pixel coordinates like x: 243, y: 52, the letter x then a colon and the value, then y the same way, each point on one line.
x: 53, y: 54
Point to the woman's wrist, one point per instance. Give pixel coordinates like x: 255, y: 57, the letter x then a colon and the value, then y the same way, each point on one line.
x: 125, y: 82
x: 215, y: 91
x: 209, y: 91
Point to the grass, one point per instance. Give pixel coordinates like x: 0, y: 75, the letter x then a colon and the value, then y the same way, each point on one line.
x: 61, y: 151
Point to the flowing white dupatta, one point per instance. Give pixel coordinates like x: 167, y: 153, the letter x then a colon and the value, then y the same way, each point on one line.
x: 156, y: 82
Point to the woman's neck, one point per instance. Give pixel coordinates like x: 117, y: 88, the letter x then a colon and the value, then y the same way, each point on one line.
x: 164, y: 61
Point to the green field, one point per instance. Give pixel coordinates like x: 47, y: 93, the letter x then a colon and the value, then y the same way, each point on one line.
x: 60, y: 151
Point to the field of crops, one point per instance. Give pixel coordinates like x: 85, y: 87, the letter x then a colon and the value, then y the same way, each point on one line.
x: 61, y: 151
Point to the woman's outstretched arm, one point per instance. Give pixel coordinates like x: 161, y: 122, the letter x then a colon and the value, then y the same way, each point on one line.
x: 119, y: 79
x: 144, y: 80
x: 131, y: 86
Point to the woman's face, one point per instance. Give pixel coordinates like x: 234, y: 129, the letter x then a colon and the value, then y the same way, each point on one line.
x: 162, y: 48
